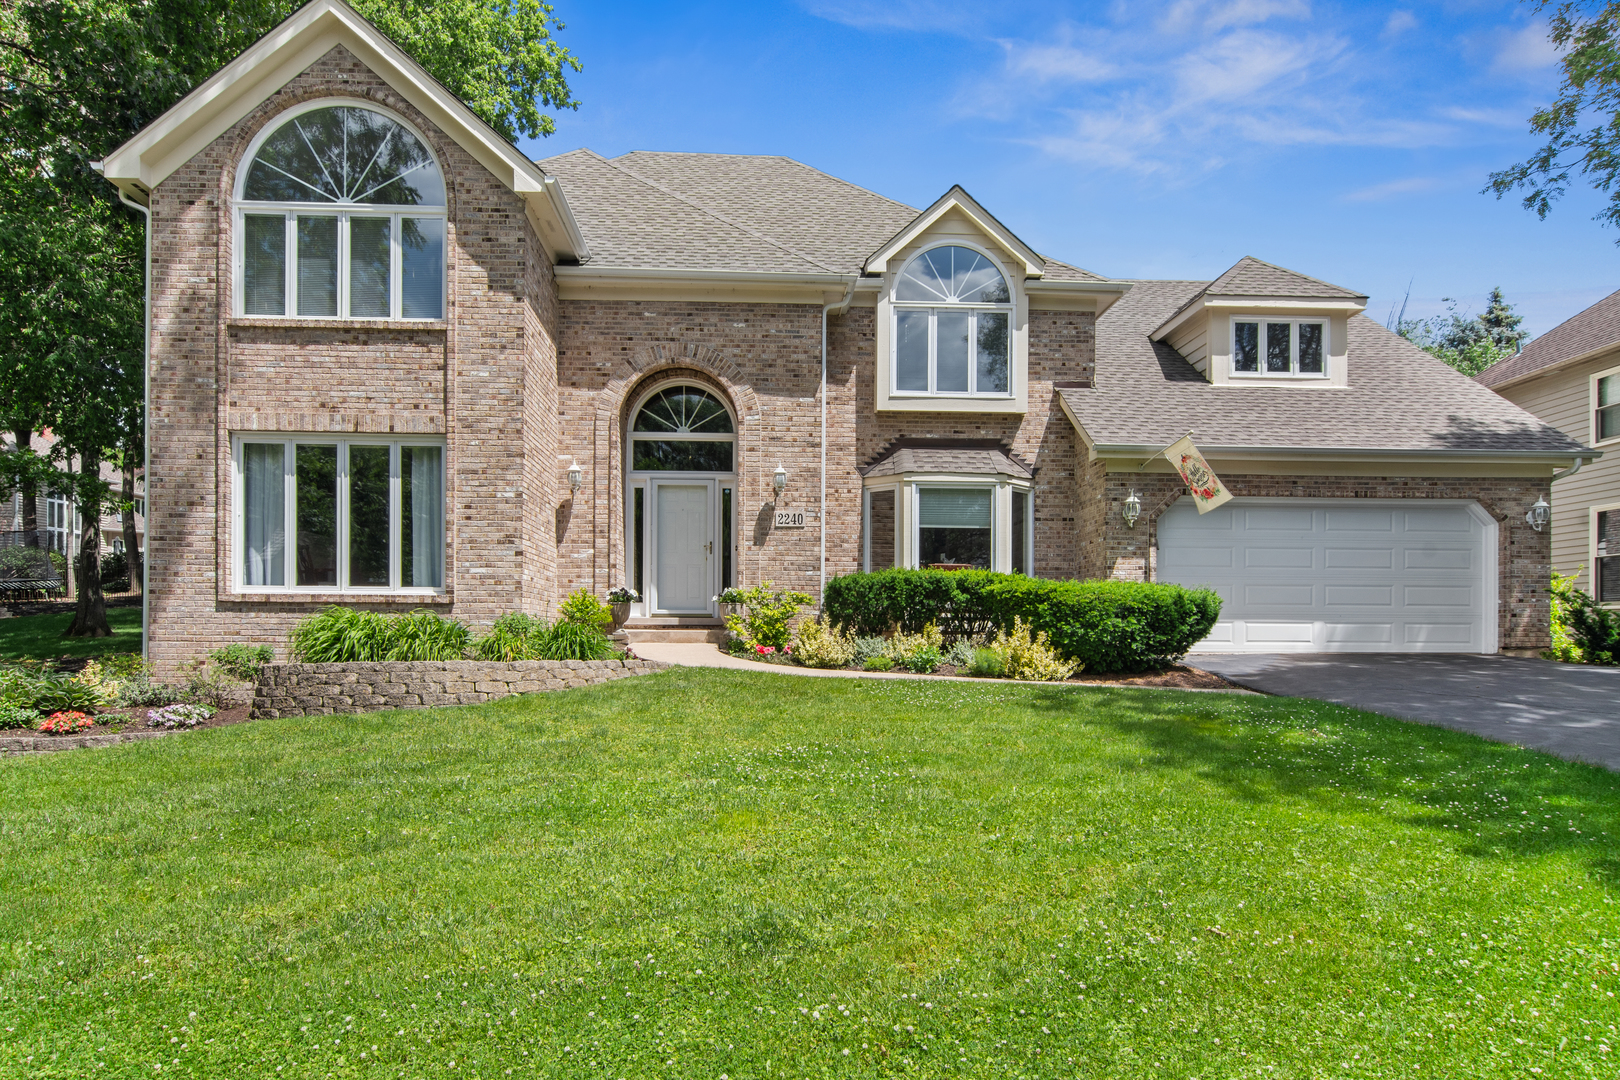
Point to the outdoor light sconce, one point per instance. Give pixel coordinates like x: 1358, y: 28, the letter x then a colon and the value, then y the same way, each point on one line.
x: 576, y: 476
x: 1131, y: 510
x: 1539, y: 514
x: 779, y: 481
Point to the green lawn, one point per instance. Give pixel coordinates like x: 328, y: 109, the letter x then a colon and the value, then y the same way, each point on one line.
x: 711, y: 873
x: 39, y: 637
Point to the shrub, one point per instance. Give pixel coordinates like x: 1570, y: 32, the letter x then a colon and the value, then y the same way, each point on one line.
x: 16, y: 716
x: 879, y: 663
x: 986, y: 664
x: 1593, y: 631
x: 769, y: 615
x: 115, y: 572
x: 342, y: 635
x: 241, y: 661
x: 820, y: 644
x: 1564, y: 649
x: 584, y: 609
x: 66, y: 722
x: 573, y: 641
x: 44, y: 692
x: 179, y: 716
x: 1119, y: 626
x: 515, y: 636
x: 868, y: 647
x: 918, y: 652
x: 143, y: 691
x: 1025, y: 654
x: 961, y: 651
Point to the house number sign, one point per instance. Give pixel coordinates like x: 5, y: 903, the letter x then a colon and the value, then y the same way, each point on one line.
x: 790, y: 519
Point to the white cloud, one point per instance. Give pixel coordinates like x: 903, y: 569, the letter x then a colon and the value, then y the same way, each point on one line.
x: 1398, y: 23
x: 1057, y: 63
x: 924, y: 15
x: 1184, y: 15
x: 1525, y: 51
x: 1394, y: 189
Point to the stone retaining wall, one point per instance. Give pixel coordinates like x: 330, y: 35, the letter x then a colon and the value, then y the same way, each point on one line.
x: 325, y: 689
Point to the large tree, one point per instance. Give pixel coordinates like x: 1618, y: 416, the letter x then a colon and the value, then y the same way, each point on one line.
x: 1468, y: 343
x: 78, y: 78
x: 1582, y: 125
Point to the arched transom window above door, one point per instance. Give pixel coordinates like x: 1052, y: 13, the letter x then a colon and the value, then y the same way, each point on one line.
x: 951, y: 333
x: 341, y: 215
x: 683, y: 428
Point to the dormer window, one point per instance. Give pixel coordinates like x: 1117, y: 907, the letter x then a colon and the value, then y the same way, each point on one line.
x: 1279, y: 347
x: 341, y: 215
x: 952, y: 315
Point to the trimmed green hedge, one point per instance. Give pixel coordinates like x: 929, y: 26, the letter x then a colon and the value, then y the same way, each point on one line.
x: 1122, y: 626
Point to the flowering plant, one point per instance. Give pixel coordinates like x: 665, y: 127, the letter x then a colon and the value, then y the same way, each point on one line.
x: 732, y: 595
x: 768, y: 619
x: 624, y: 594
x: 178, y: 716
x: 66, y: 722
x: 764, y: 650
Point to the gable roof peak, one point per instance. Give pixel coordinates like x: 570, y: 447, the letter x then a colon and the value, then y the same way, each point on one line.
x: 957, y: 198
x: 1250, y: 276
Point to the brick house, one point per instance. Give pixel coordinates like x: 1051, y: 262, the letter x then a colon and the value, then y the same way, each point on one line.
x: 394, y: 364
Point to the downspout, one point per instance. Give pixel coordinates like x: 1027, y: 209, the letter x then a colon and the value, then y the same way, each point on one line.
x: 146, y: 423
x: 840, y: 307
x: 1571, y: 471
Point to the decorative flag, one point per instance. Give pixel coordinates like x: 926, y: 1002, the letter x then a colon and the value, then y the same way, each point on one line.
x: 1207, y: 490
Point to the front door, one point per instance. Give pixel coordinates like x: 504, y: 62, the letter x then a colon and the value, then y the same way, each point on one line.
x: 683, y: 547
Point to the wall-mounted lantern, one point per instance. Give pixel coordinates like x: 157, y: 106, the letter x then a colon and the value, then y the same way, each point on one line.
x: 1539, y: 514
x: 779, y: 480
x: 576, y: 476
x: 1131, y: 510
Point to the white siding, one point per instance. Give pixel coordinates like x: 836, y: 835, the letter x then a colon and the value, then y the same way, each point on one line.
x: 1191, y: 340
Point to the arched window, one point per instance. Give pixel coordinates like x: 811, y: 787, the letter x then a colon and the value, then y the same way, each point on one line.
x: 682, y: 429
x: 341, y: 215
x: 952, y: 315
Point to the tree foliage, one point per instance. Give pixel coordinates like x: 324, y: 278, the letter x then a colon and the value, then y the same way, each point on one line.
x: 1582, y: 125
x: 1469, y: 344
x: 80, y: 77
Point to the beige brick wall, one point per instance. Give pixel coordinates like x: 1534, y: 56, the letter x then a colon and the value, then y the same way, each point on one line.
x: 484, y: 377
x: 1524, y: 556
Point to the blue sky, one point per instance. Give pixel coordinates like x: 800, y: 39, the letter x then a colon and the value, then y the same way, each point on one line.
x: 1156, y: 138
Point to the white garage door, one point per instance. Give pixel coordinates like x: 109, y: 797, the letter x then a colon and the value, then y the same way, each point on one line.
x: 1329, y: 575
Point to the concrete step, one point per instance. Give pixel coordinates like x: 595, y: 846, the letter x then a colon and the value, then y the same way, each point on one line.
x: 675, y: 630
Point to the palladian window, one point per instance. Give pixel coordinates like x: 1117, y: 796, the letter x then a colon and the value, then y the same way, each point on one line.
x: 341, y: 215
x: 952, y: 315
x: 682, y: 429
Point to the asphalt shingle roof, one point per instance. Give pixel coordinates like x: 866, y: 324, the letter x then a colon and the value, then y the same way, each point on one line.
x: 1595, y: 328
x: 1398, y: 398
x: 657, y: 210
x: 968, y: 460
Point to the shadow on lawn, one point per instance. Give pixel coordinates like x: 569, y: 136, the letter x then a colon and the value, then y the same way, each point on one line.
x: 1496, y: 800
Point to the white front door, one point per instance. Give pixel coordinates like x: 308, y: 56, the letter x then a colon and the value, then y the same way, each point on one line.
x: 683, y: 548
x: 1327, y: 575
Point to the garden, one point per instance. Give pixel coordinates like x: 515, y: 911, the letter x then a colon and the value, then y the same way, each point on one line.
x: 977, y: 623
x: 115, y: 692
x: 706, y: 873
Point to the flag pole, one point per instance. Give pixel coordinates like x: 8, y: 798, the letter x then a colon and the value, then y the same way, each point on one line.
x: 1160, y: 452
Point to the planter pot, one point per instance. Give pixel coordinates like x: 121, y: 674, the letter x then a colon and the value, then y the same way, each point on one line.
x: 621, y: 615
x: 730, y: 609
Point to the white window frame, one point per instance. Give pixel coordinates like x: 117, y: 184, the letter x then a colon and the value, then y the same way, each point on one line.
x: 241, y: 208
x: 1294, y: 322
x: 1592, y: 548
x: 1592, y: 410
x: 1010, y: 309
x: 908, y: 540
x: 290, y: 441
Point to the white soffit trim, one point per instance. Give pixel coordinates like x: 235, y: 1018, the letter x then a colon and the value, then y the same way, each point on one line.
x: 167, y: 143
x: 958, y: 198
x: 1259, y: 305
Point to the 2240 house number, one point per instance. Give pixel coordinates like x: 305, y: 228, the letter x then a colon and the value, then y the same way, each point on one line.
x: 790, y: 519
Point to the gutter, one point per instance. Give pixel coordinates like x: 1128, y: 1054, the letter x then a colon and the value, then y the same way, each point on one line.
x: 664, y: 275
x: 1549, y: 369
x: 840, y: 307
x: 565, y: 213
x: 1362, y: 453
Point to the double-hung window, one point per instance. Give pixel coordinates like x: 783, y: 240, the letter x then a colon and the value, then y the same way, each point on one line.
x: 952, y: 320
x: 1606, y: 407
x: 1606, y: 556
x: 1279, y: 347
x: 314, y: 513
x: 341, y: 215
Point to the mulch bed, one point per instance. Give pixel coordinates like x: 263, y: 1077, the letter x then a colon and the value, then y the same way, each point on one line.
x: 113, y: 721
x: 1175, y: 677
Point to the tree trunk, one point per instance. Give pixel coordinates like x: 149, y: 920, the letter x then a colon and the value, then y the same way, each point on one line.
x: 132, y: 552
x: 90, y: 613
x: 30, y: 494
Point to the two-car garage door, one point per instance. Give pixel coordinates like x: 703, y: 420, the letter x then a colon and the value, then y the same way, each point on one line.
x: 1329, y: 575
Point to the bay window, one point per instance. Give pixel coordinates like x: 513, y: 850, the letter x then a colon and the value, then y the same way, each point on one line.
x: 949, y: 523
x: 315, y: 513
x: 341, y: 215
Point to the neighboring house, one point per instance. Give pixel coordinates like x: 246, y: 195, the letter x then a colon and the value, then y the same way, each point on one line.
x: 395, y: 366
x: 1570, y: 378
x: 58, y: 518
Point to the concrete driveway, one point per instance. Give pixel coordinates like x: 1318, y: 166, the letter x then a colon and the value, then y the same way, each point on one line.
x: 1568, y: 710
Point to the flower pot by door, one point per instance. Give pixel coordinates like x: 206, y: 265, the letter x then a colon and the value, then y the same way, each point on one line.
x: 621, y: 615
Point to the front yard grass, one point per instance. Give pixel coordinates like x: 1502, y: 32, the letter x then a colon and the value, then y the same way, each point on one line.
x: 39, y: 637
x: 729, y: 874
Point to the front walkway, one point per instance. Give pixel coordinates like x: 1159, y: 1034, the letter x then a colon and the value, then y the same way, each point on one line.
x: 1569, y: 710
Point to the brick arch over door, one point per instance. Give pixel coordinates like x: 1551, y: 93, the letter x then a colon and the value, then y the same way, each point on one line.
x: 704, y: 364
